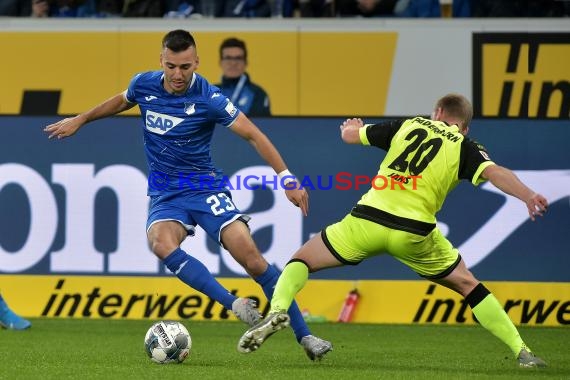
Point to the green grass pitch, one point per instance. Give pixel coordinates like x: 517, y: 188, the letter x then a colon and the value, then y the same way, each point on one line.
x: 113, y: 349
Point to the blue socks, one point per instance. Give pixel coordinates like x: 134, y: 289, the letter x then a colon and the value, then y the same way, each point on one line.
x: 267, y: 281
x: 195, y: 274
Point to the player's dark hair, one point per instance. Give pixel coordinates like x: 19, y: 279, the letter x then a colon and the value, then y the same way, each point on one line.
x: 233, y: 42
x: 178, y: 40
x: 457, y: 106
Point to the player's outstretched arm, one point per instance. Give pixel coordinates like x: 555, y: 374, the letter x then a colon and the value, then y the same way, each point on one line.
x: 244, y: 128
x: 69, y: 126
x: 507, y: 181
x: 349, y: 130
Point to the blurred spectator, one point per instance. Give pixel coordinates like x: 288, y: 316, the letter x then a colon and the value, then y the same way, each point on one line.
x: 69, y: 8
x: 284, y: 8
x: 57, y: 8
x: 144, y: 8
x: 15, y: 8
x: 104, y: 8
x: 307, y: 8
x: 184, y: 8
x: 432, y: 8
x: 421, y: 8
x: 520, y: 8
x: 40, y: 8
x: 366, y: 8
x: 242, y: 8
x: 461, y: 8
x: 499, y: 8
x: 250, y: 98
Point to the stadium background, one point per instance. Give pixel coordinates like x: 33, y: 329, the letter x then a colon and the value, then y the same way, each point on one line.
x: 72, y: 212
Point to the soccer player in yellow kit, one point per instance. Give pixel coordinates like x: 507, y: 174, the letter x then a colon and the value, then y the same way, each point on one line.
x: 425, y: 160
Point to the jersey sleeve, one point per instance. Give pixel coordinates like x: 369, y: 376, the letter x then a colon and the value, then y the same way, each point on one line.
x: 221, y: 108
x: 474, y: 159
x: 379, y: 135
x: 130, y: 94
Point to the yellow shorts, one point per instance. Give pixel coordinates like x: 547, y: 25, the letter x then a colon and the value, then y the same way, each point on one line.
x: 354, y: 239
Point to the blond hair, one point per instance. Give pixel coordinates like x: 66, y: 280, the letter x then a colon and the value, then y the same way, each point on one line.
x: 458, y: 107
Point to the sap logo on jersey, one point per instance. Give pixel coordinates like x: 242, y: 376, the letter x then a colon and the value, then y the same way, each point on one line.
x: 160, y: 123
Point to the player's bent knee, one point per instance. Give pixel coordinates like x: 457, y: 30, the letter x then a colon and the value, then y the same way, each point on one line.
x: 253, y: 263
x: 160, y: 249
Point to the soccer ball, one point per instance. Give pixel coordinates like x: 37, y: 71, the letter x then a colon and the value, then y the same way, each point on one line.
x: 167, y: 342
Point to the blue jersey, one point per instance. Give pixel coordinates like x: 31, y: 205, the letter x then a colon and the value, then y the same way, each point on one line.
x: 178, y: 130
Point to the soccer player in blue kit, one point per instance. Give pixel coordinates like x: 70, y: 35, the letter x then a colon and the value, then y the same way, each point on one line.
x: 179, y: 110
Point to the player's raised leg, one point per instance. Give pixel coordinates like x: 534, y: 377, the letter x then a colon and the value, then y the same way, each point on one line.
x: 290, y: 282
x: 165, y: 238
x: 490, y: 313
x: 243, y: 249
x: 256, y: 335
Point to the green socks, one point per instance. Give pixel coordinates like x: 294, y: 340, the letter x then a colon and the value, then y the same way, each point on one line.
x: 292, y: 280
x: 493, y: 317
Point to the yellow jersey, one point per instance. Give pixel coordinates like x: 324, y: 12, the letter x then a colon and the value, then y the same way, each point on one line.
x: 425, y: 160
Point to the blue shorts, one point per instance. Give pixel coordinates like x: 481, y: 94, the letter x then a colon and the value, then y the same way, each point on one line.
x: 211, y: 210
